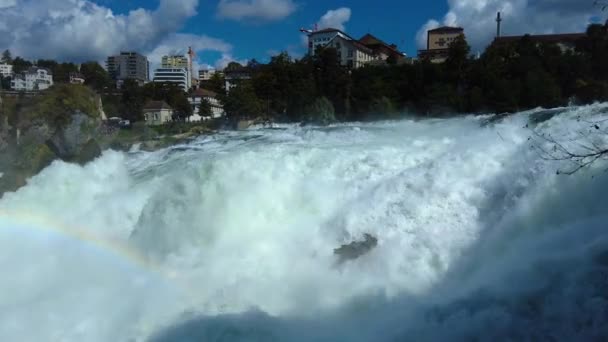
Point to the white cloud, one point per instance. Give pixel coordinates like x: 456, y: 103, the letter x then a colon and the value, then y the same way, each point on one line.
x: 477, y: 17
x: 7, y: 3
x: 264, y: 10
x: 226, y: 59
x: 421, y: 36
x: 178, y: 44
x: 80, y: 30
x: 335, y: 18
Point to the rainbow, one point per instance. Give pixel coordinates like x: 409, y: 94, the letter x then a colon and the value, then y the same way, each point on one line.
x: 118, y: 249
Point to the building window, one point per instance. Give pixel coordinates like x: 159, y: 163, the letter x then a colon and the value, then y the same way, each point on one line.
x: 350, y: 52
x: 349, y: 64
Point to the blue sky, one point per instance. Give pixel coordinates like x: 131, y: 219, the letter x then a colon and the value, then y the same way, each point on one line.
x: 225, y: 30
x: 394, y: 21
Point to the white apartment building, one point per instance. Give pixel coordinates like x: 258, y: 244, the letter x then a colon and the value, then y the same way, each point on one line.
x: 33, y: 79
x: 206, y: 74
x: 179, y: 76
x: 217, y: 110
x: 174, y: 62
x: 6, y: 70
x: 179, y: 62
x: 128, y: 65
x: 352, y: 53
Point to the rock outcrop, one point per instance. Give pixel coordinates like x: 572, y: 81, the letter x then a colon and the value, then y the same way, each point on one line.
x: 77, y: 141
x: 35, y: 146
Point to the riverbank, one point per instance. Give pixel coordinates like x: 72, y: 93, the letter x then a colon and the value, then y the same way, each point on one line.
x: 66, y: 122
x: 36, y: 146
x: 153, y: 138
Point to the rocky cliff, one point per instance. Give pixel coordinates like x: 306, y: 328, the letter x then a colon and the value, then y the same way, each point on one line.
x: 62, y: 124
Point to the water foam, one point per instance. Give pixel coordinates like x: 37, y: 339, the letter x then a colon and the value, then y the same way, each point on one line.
x: 474, y: 230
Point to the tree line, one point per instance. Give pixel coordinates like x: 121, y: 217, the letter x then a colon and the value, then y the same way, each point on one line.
x: 507, y: 77
x: 127, y: 102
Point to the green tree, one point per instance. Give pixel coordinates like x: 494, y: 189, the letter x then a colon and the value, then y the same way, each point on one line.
x: 232, y: 66
x: 60, y: 99
x: 7, y: 57
x: 383, y: 107
x: 204, y: 108
x: 458, y: 59
x: 61, y: 71
x: 332, y: 79
x: 5, y: 83
x: 217, y: 84
x: 242, y: 102
x: 274, y: 85
x: 302, y: 89
x: 320, y: 112
x: 20, y: 65
x: 95, y: 76
x: 132, y: 101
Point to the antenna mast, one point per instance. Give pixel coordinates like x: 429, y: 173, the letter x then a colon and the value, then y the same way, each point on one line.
x: 498, y: 24
x: 191, y: 56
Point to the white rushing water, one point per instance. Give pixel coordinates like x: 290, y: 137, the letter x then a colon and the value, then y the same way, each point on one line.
x: 231, y: 238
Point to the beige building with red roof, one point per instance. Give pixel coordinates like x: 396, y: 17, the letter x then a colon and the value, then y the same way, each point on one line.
x: 157, y: 113
x: 438, y: 43
x: 200, y: 95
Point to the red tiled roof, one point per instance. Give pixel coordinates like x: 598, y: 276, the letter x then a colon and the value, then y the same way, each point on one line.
x: 371, y: 41
x: 157, y: 105
x: 204, y: 93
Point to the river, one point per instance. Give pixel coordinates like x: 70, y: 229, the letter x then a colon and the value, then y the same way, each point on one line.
x: 231, y: 237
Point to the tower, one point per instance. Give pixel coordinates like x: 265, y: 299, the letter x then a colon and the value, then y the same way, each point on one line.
x: 498, y: 24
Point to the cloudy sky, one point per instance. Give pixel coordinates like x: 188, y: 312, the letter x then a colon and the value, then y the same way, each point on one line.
x: 225, y: 30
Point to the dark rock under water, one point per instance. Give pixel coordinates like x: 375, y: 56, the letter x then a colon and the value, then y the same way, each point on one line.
x: 356, y: 249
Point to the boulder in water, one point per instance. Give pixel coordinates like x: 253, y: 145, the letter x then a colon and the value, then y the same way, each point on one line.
x: 89, y: 152
x: 356, y: 249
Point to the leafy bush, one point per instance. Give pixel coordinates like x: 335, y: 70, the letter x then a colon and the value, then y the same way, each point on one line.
x: 56, y: 104
x: 382, y: 107
x: 320, y: 112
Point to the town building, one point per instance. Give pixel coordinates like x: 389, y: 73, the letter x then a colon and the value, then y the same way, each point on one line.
x: 174, y: 62
x: 76, y: 78
x: 128, y: 65
x: 352, y: 53
x: 6, y: 70
x: 383, y: 51
x: 178, y: 76
x: 438, y: 43
x: 566, y: 41
x: 157, y: 113
x: 32, y: 80
x: 207, y: 74
x: 172, y: 70
x: 200, y: 95
x: 234, y: 76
